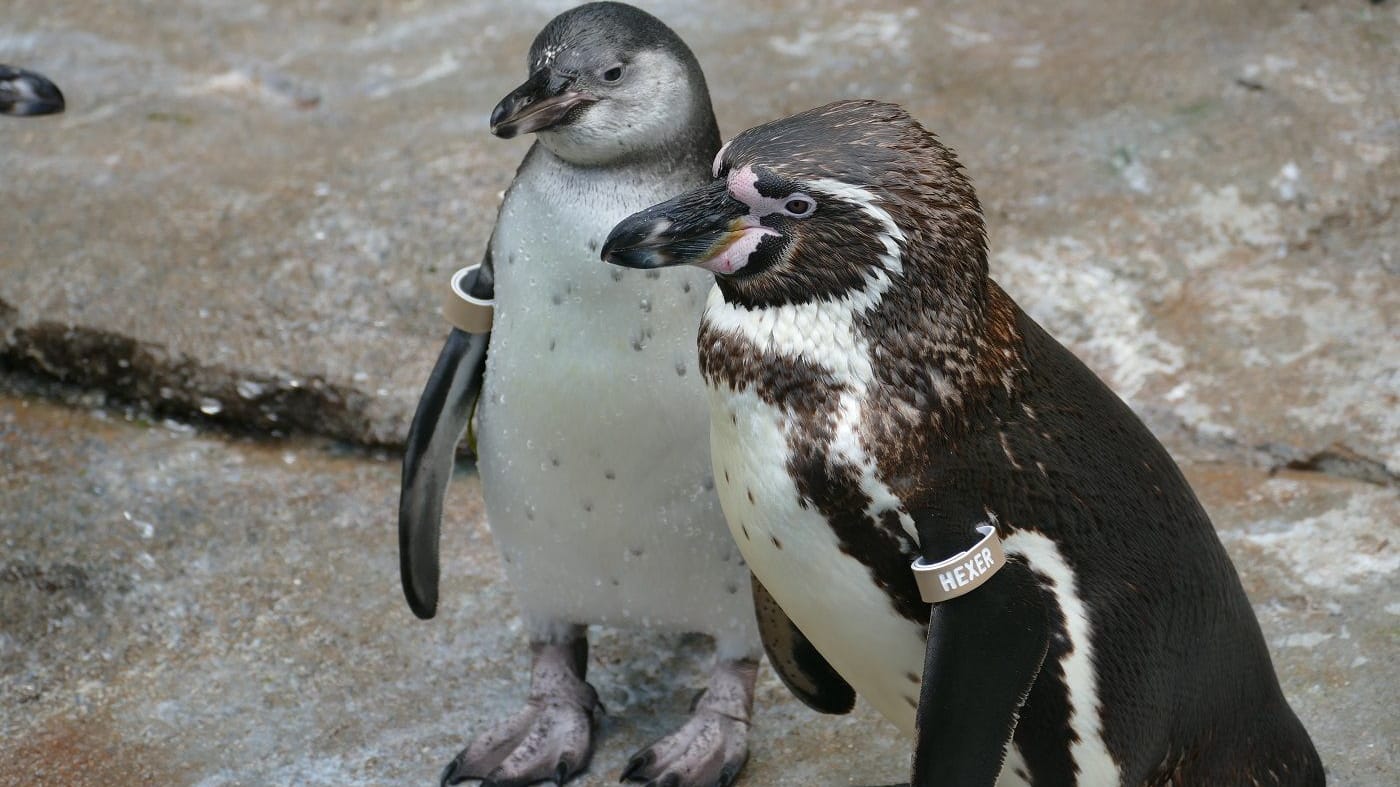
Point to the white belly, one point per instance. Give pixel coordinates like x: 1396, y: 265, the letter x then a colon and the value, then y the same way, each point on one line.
x: 793, y: 551
x: 594, y: 462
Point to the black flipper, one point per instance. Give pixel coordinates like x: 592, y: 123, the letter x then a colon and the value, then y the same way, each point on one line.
x: 25, y: 93
x: 984, y: 652
x: 802, y: 669
x: 430, y: 453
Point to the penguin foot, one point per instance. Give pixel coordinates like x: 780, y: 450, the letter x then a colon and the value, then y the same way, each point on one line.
x: 549, y: 740
x: 708, y: 751
x: 711, y: 748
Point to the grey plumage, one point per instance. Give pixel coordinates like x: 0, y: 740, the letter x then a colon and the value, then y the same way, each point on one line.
x: 592, y: 444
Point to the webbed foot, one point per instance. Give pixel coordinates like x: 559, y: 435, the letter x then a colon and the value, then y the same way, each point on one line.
x: 712, y: 746
x: 550, y: 739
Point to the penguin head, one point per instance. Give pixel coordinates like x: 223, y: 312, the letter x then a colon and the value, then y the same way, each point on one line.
x: 609, y: 82
x: 821, y: 206
x: 25, y: 93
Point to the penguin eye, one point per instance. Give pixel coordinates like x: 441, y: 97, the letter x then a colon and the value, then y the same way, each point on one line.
x: 799, y: 206
x: 613, y: 74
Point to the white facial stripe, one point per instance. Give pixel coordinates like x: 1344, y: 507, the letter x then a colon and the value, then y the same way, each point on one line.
x: 893, y: 237
x: 714, y: 168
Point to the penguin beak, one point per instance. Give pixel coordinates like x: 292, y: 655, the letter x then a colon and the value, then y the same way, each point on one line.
x: 706, y: 227
x: 541, y: 103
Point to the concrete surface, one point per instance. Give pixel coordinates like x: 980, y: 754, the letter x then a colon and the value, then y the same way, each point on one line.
x: 184, y: 609
x: 242, y: 221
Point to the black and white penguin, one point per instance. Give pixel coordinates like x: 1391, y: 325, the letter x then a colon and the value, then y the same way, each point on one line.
x: 25, y: 93
x: 876, y: 399
x: 591, y: 437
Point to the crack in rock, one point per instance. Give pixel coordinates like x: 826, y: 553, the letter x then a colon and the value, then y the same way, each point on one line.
x: 172, y: 384
x: 1342, y: 462
x: 1337, y: 460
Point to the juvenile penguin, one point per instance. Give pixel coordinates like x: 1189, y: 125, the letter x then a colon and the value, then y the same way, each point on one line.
x: 25, y: 93
x: 591, y: 438
x: 876, y: 399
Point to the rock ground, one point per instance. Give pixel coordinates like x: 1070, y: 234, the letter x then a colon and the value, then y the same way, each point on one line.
x: 240, y: 226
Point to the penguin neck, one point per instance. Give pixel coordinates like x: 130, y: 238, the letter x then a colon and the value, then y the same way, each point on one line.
x: 691, y: 150
x: 936, y: 351
x: 944, y: 352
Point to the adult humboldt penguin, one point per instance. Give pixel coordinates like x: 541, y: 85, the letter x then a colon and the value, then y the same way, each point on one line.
x: 592, y: 427
x: 25, y: 93
x: 877, y: 400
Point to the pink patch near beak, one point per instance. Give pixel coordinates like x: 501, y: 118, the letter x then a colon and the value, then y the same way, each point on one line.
x: 736, y: 252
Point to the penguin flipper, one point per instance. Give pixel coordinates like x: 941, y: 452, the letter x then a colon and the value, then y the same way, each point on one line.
x: 805, y: 672
x: 983, y: 654
x: 430, y: 452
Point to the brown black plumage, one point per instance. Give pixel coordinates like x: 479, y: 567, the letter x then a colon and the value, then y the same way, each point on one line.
x: 911, y: 393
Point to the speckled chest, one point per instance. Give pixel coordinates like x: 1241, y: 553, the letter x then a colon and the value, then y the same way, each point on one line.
x: 545, y: 250
x: 564, y: 318
x: 591, y: 383
x: 594, y: 464
x: 789, y: 458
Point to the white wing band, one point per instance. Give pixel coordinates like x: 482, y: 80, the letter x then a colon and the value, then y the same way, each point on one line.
x: 472, y: 315
x: 962, y: 573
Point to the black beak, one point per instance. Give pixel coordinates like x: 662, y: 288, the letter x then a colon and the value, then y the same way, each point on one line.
x: 542, y: 102
x: 705, y: 227
x: 27, y: 93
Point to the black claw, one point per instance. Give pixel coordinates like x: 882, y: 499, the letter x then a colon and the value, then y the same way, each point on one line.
x: 637, y: 764
x: 562, y: 771
x: 449, y: 775
x: 728, y: 774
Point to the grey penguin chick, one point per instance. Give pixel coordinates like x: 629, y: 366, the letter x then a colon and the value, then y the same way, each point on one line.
x: 25, y: 93
x: 877, y: 399
x: 591, y: 440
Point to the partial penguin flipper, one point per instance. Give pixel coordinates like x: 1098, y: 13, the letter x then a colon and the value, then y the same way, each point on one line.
x: 805, y: 672
x: 25, y: 93
x: 429, y: 459
x: 444, y: 411
x: 983, y: 654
